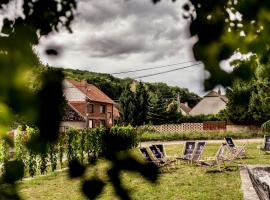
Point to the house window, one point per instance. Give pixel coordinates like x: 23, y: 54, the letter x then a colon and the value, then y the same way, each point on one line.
x: 110, y: 115
x: 102, y: 109
x: 102, y: 123
x: 90, y: 123
x: 90, y: 108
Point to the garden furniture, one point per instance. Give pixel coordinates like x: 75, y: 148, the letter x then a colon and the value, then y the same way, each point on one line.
x: 187, y: 151
x: 239, y: 150
x: 198, y: 152
x: 221, y: 158
x: 266, y: 144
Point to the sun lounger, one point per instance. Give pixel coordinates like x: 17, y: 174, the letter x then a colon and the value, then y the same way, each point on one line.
x: 221, y: 159
x: 266, y: 144
x: 187, y: 151
x: 198, y: 152
x: 239, y: 150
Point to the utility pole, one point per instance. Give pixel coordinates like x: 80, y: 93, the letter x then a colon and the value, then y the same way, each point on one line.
x: 178, y: 101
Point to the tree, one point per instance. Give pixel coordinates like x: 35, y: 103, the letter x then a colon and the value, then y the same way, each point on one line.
x: 128, y: 107
x: 248, y: 99
x: 141, y: 103
x: 173, y: 113
x: 157, y: 109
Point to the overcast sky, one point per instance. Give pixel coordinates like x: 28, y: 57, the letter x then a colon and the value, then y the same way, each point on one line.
x: 114, y: 36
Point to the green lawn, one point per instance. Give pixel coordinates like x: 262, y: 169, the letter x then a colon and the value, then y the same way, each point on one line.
x: 186, y: 182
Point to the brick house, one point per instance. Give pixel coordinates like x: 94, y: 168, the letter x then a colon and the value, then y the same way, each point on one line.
x: 87, y: 106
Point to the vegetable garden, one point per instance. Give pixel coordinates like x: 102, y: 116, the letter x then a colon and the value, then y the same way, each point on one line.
x: 84, y: 145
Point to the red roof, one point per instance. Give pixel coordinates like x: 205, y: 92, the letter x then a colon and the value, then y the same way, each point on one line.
x: 79, y: 106
x: 91, y: 91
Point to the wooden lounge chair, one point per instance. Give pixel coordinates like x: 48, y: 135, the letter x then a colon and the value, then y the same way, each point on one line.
x: 162, y: 149
x: 221, y: 158
x: 266, y: 144
x: 187, y: 151
x: 160, y: 156
x: 150, y: 158
x: 198, y: 152
x: 239, y: 150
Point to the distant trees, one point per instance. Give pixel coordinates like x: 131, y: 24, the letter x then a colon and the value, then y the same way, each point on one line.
x: 134, y: 105
x: 249, y: 99
x: 140, y: 106
x: 113, y: 86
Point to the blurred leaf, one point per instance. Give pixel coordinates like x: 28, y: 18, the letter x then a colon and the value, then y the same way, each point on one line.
x: 93, y: 187
x: 14, y: 171
x: 76, y: 169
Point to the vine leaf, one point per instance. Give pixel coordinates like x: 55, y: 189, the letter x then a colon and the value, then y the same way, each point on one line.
x: 93, y: 187
x: 76, y: 169
x: 14, y: 171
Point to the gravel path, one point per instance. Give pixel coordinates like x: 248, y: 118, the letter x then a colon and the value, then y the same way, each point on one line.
x: 144, y: 144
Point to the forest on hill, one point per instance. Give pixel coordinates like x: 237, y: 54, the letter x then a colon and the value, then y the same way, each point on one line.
x: 113, y: 86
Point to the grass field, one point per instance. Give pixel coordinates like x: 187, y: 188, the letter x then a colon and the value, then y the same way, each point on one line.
x: 210, y: 135
x: 184, y: 183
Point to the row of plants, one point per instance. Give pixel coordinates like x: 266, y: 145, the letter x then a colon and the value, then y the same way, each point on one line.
x: 83, y: 145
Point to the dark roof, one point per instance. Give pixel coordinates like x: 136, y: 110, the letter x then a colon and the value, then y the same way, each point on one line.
x: 91, y: 91
x: 185, y: 108
x: 212, y: 94
x: 79, y: 107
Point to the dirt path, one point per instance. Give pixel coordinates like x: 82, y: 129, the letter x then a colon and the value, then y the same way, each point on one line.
x: 143, y: 144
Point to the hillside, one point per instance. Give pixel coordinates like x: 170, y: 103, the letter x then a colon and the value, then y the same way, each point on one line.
x: 114, y: 86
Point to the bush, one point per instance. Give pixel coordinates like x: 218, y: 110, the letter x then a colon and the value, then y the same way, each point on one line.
x: 266, y: 127
x: 129, y: 135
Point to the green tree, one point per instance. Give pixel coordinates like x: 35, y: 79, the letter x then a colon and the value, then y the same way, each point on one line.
x: 157, y: 109
x: 128, y: 107
x: 141, y: 104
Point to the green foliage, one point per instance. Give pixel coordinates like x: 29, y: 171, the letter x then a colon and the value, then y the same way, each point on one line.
x: 248, y: 99
x: 141, y: 104
x: 128, y: 107
x: 61, y: 149
x: 43, y: 163
x: 20, y: 139
x: 94, y: 144
x: 266, y: 126
x: 128, y: 135
x: 52, y: 151
x: 32, y: 157
x: 211, y: 135
x: 72, y: 149
x: 82, y: 145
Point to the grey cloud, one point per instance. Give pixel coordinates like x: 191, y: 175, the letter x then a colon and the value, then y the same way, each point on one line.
x: 152, y: 32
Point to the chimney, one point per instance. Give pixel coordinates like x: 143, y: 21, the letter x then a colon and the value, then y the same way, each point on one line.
x: 219, y: 92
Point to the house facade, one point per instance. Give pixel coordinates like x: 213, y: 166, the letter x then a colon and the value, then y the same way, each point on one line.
x: 212, y: 103
x: 87, y: 106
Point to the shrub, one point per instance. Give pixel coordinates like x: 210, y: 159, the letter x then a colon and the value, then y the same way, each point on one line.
x: 72, y: 144
x: 127, y: 137
x: 32, y: 163
x: 94, y: 144
x: 53, y: 156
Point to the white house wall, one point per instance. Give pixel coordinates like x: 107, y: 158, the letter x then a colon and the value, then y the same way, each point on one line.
x: 72, y: 93
x: 78, y: 125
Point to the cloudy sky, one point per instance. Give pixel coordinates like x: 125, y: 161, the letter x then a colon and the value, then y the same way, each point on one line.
x: 114, y: 36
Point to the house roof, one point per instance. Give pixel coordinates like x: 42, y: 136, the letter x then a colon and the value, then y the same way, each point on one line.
x: 211, y: 103
x: 78, y: 106
x: 185, y: 108
x: 91, y: 91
